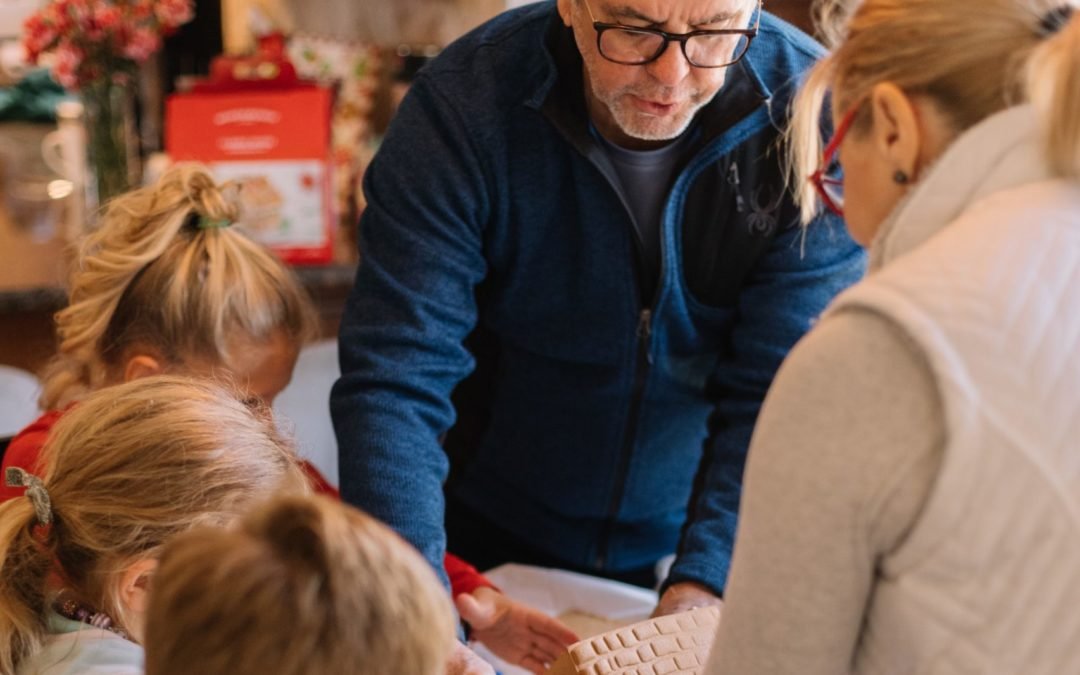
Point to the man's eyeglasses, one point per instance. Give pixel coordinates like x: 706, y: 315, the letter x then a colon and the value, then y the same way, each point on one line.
x: 825, y: 179
x: 631, y: 46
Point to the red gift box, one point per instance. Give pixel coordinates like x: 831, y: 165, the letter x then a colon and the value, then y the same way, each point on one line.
x: 278, y: 141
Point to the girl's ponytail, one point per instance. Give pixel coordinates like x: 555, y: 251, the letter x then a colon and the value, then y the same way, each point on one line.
x: 24, y: 567
x: 136, y: 229
x: 167, y: 272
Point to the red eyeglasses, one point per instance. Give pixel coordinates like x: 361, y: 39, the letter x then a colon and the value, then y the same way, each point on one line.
x: 831, y: 190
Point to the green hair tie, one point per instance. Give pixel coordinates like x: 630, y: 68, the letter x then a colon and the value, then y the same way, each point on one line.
x: 211, y: 224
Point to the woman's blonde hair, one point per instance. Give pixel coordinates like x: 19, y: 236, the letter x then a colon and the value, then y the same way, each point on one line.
x: 306, y: 586
x: 972, y: 57
x: 165, y: 271
x: 126, y: 469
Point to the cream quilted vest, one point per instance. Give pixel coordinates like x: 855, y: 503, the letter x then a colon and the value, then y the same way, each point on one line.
x: 982, y: 268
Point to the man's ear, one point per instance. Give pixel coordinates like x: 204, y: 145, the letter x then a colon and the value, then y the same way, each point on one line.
x: 566, y: 12
x: 896, y: 132
x: 142, y: 365
x: 135, y: 585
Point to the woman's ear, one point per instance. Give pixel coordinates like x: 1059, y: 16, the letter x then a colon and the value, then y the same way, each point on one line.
x: 896, y: 132
x: 142, y: 365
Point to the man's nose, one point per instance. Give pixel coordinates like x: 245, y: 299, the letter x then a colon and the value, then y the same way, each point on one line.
x: 672, y: 67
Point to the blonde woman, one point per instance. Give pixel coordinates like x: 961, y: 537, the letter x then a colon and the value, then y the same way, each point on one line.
x: 914, y: 480
x: 304, y: 586
x: 168, y: 284
x: 124, y: 471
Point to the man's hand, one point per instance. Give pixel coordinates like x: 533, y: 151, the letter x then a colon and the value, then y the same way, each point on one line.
x: 464, y: 661
x: 684, y: 596
x: 514, y: 632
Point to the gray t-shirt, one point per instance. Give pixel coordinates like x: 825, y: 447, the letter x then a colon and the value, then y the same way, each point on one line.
x: 645, y: 178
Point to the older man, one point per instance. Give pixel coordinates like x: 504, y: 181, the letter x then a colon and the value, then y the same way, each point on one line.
x: 591, y: 192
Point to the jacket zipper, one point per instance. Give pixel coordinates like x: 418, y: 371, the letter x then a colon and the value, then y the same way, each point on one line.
x: 643, y: 365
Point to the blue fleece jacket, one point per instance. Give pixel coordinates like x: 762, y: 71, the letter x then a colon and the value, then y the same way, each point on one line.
x: 618, y: 399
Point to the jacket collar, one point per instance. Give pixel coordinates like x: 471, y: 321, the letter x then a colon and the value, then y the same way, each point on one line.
x: 1001, y: 152
x: 561, y: 93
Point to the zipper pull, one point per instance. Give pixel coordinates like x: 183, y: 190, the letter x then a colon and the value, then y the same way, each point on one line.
x: 733, y: 181
x: 644, y: 333
x: 644, y: 327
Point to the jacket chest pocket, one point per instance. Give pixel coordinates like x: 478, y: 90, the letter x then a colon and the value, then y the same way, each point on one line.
x: 732, y: 212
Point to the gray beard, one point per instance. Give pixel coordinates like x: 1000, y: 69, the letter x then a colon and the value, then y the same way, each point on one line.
x: 619, y: 113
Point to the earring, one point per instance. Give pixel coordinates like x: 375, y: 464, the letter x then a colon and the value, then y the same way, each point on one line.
x: 900, y: 178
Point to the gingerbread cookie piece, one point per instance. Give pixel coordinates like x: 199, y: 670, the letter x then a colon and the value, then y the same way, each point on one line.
x: 677, y: 644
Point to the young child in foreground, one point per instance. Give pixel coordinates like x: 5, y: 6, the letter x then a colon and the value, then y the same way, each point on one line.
x: 125, y: 470
x: 303, y: 586
x: 167, y: 284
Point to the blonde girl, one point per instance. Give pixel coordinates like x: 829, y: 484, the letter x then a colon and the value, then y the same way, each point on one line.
x: 304, y: 586
x: 125, y: 470
x: 168, y: 284
x: 913, y: 485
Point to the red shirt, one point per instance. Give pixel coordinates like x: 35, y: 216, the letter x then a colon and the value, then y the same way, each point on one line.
x: 25, y: 449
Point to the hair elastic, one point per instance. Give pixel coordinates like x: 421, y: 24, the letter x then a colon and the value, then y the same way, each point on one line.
x: 35, y: 492
x: 207, y: 223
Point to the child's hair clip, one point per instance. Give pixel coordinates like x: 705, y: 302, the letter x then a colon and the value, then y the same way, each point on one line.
x: 35, y: 492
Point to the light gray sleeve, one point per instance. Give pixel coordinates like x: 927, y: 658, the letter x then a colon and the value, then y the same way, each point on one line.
x: 843, y: 457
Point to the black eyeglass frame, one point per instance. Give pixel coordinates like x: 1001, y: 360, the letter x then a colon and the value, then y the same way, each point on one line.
x: 601, y: 27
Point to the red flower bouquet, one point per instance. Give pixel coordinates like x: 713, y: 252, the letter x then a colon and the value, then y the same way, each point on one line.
x: 96, y: 47
x: 96, y: 39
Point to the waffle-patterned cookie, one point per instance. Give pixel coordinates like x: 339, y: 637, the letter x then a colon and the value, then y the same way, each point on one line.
x: 667, y: 645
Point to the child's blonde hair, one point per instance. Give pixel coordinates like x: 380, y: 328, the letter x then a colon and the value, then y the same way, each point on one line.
x: 307, y: 586
x: 127, y: 468
x: 972, y: 57
x: 166, y: 271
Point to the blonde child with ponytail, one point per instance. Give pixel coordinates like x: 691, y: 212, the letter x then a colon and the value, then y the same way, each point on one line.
x: 304, y: 586
x: 167, y: 282
x: 913, y: 484
x: 124, y: 471
x: 166, y: 285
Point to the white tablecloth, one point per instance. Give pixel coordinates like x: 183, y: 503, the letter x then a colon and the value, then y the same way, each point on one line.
x: 557, y: 592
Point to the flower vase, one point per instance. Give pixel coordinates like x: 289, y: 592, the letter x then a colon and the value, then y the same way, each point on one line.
x: 111, y: 141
